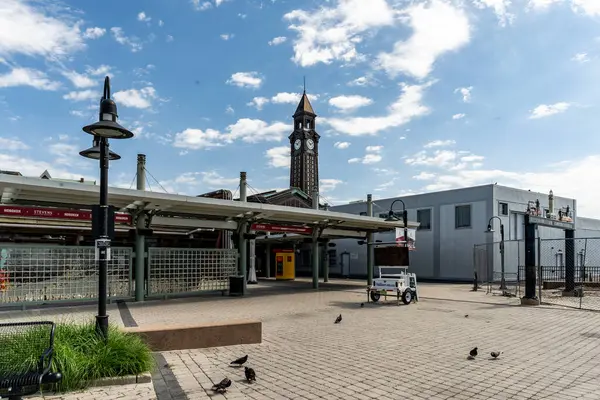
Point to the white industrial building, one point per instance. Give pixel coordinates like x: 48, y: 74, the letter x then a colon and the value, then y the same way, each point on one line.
x: 452, y: 222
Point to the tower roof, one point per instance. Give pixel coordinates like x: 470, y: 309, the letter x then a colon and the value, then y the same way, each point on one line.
x: 304, y: 107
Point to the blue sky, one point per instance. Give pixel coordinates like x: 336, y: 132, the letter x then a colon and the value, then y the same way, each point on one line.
x: 412, y: 96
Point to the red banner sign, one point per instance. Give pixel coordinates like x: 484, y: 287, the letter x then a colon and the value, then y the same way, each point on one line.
x: 55, y: 213
x: 282, y: 228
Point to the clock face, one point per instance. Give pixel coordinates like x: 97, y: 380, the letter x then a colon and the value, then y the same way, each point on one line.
x: 297, y: 144
x: 310, y: 144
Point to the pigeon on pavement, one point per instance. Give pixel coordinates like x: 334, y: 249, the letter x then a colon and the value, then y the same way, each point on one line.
x: 240, y: 361
x: 250, y: 374
x: 222, y: 386
x: 495, y: 354
x: 338, y: 319
x: 473, y: 354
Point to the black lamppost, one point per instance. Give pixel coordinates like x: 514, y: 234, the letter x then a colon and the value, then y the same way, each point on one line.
x: 106, y: 128
x: 491, y: 229
x: 392, y: 217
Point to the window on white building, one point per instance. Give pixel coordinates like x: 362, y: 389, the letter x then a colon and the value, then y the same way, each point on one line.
x: 424, y: 218
x: 462, y: 216
x: 502, y: 208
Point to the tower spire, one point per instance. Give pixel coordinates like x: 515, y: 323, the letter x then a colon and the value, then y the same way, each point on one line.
x: 304, y: 84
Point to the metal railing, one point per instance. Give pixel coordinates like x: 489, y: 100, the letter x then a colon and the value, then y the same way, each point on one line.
x: 45, y: 274
x: 567, y: 270
x: 173, y: 271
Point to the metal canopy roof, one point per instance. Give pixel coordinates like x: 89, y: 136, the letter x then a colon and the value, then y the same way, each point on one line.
x: 18, y: 189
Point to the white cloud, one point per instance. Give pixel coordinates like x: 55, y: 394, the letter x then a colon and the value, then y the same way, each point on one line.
x: 82, y: 95
x: 329, y: 185
x: 331, y: 34
x: 169, y: 38
x: 350, y: 103
x: 291, y: 98
x: 246, y: 79
x: 280, y: 98
x: 94, y: 33
x: 500, y: 7
x: 161, y: 22
x: 66, y: 153
x: 373, y: 149
x: 581, y: 58
x: 588, y: 7
x: 258, y: 102
x: 449, y: 160
x: 133, y: 42
x: 38, y: 31
x: 569, y: 178
x: 99, y: 70
x: 256, y: 130
x: 35, y: 167
x: 424, y: 176
x: 27, y: 77
x: 201, y: 5
x: 279, y: 157
x: 195, y: 139
x: 7, y: 144
x: 366, y: 80
x: 81, y: 81
x: 341, y: 145
x: 438, y: 28
x: 245, y: 129
x: 136, y: 98
x: 439, y: 143
x: 407, y: 107
x: 277, y: 41
x: 440, y: 158
x: 542, y: 4
x: 227, y: 36
x: 372, y: 156
x: 143, y: 17
x: 229, y: 110
x: 546, y: 110
x: 458, y: 116
x: 465, y: 92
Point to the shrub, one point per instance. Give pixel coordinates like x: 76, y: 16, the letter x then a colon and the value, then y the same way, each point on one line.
x: 81, y: 355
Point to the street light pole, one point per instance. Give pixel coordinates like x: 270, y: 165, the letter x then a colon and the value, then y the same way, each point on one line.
x: 392, y: 216
x: 107, y: 127
x: 490, y: 229
x: 102, y: 317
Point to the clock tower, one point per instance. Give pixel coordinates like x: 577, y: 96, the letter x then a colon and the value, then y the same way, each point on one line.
x: 304, y: 141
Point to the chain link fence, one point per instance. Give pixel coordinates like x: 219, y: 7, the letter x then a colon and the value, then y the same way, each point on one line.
x: 567, y: 270
x: 45, y: 274
x: 173, y: 271
x: 496, y: 266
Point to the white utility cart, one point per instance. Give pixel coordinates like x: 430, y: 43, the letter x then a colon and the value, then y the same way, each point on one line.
x: 402, y: 285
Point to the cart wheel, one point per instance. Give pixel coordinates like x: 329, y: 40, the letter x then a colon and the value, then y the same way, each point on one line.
x: 407, y: 296
x: 375, y: 297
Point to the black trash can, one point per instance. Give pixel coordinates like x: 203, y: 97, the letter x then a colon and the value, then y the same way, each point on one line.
x: 236, y: 285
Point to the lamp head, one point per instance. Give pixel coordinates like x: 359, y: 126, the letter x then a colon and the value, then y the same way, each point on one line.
x: 490, y: 229
x: 94, y: 152
x: 107, y: 125
x: 391, y: 217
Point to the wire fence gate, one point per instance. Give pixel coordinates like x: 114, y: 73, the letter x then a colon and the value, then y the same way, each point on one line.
x: 45, y: 274
x: 34, y: 275
x: 177, y: 271
x: 567, y: 270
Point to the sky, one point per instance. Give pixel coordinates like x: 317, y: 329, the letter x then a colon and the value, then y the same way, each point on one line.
x: 411, y: 96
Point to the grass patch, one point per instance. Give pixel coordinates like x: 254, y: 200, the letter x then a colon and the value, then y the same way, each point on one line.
x: 79, y: 354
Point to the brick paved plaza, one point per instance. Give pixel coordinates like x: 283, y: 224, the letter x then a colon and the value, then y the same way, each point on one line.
x: 379, y: 351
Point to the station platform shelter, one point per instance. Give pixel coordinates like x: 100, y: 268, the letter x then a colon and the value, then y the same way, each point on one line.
x: 163, y: 245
